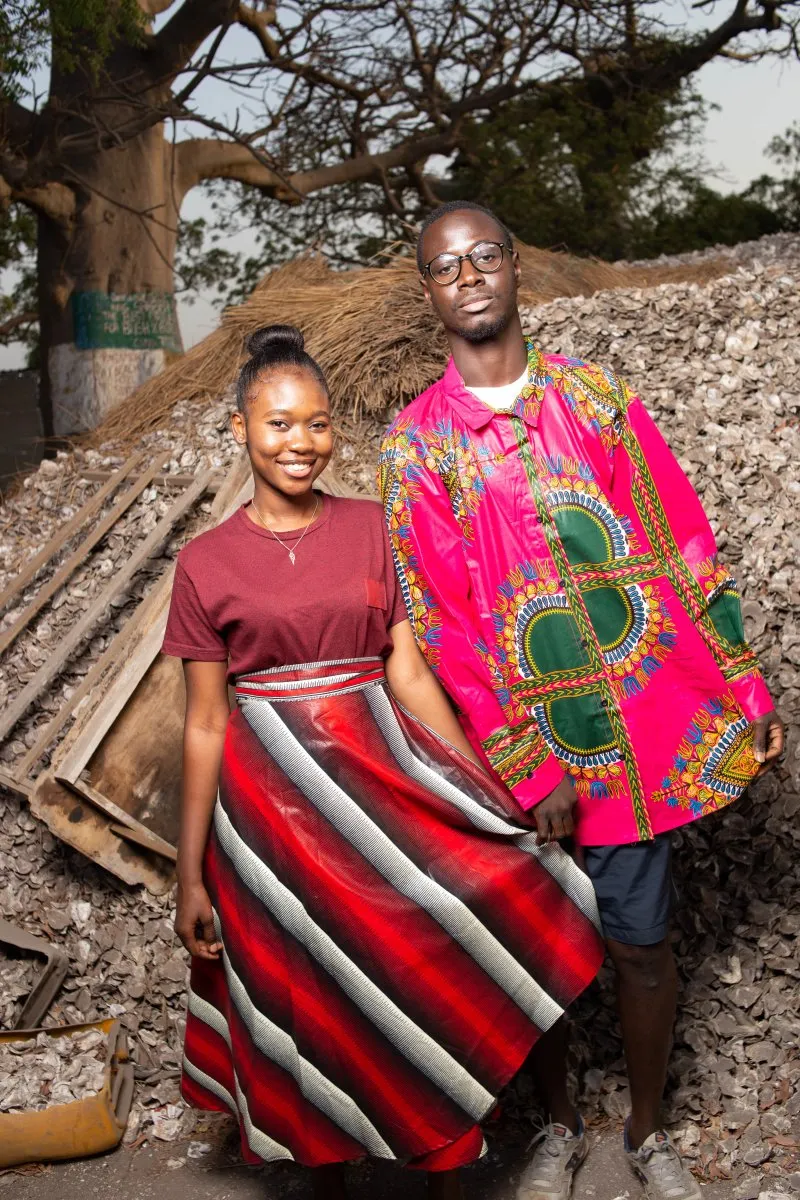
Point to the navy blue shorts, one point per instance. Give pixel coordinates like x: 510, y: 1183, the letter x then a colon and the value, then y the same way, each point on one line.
x: 634, y: 889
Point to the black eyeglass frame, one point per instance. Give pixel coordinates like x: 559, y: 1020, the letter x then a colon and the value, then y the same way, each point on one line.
x: 502, y: 247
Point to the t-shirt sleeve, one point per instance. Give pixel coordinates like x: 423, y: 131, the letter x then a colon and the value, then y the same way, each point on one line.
x: 189, y: 632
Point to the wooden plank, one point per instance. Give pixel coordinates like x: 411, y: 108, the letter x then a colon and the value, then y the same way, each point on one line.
x: 82, y: 747
x: 120, y: 817
x: 138, y: 764
x: 232, y: 492
x: 78, y: 556
x: 46, y: 673
x: 14, y: 783
x: 92, y: 505
x: 149, y: 841
x: 125, y: 748
x: 78, y: 823
x: 169, y: 480
x: 111, y: 656
x: 84, y: 741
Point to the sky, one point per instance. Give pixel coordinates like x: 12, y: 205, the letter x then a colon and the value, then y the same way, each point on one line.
x: 753, y: 103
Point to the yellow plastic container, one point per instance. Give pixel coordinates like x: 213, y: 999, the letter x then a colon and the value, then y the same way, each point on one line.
x: 78, y: 1129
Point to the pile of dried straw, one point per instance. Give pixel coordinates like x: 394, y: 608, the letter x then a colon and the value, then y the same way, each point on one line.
x: 370, y: 329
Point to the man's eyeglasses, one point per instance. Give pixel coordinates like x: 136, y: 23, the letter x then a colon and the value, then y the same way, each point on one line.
x: 486, y: 257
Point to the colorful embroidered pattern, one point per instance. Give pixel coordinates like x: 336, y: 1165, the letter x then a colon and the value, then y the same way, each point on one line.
x: 401, y: 471
x: 463, y: 469
x: 605, y: 733
x: 515, y: 752
x: 714, y: 761
x: 567, y: 605
x: 594, y: 395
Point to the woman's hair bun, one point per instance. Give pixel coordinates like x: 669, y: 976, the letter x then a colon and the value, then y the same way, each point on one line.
x: 274, y: 348
x: 272, y: 339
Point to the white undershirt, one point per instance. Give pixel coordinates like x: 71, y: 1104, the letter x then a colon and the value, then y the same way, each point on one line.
x: 500, y: 398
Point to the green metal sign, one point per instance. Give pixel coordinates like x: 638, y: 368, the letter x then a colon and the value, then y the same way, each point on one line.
x: 139, y: 321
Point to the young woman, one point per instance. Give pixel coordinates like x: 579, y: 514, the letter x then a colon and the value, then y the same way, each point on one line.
x: 377, y: 940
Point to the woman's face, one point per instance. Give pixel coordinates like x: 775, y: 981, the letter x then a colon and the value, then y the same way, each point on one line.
x: 287, y: 429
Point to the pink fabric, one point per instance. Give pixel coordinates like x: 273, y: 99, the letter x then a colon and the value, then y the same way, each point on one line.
x: 563, y: 580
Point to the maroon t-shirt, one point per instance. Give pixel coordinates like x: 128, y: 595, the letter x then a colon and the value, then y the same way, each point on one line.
x: 237, y: 597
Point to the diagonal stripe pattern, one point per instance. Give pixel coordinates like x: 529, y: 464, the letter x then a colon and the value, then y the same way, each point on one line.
x: 393, y: 941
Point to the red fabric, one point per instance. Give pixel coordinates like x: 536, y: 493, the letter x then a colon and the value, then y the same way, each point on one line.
x: 356, y: 846
x: 237, y: 597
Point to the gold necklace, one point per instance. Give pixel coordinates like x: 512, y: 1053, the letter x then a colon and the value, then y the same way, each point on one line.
x: 291, y: 551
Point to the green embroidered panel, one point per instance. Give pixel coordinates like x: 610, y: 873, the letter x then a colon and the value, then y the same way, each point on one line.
x: 726, y: 614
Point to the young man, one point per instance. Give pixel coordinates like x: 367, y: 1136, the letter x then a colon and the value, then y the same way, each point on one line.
x: 563, y: 581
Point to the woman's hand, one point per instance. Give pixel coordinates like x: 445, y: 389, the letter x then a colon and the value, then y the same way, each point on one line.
x: 194, y: 921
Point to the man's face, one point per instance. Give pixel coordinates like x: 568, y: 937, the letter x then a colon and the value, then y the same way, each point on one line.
x: 476, y: 306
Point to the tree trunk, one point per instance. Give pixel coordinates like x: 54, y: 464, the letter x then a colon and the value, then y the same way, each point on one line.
x: 106, y: 288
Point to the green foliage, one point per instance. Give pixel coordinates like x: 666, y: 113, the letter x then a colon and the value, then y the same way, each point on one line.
x: 24, y: 44
x: 71, y: 33
x: 684, y: 213
x: 617, y: 180
x: 84, y: 32
x: 18, y: 322
x: 566, y: 172
x: 201, y: 264
x: 349, y: 224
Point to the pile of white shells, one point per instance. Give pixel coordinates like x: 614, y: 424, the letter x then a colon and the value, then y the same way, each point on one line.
x: 718, y: 365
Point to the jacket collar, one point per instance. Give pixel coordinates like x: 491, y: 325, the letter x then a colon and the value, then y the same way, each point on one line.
x: 476, y: 414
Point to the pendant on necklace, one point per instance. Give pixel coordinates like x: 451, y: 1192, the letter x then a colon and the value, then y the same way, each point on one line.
x: 291, y: 557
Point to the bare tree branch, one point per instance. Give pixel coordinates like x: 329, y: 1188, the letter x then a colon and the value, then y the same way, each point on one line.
x: 173, y: 46
x: 54, y: 200
x: 692, y: 55
x: 17, y: 321
x: 206, y: 158
x: 152, y: 8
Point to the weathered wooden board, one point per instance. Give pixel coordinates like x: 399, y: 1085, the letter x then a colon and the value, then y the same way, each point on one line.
x: 80, y: 554
x: 78, y: 823
x: 127, y: 747
x: 137, y: 764
x: 55, y: 664
x: 68, y: 530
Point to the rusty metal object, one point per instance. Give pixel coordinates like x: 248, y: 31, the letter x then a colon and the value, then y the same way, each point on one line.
x: 83, y: 1127
x: 50, y: 980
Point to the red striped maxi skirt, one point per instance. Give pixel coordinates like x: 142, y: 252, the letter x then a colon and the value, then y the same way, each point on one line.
x: 394, y: 941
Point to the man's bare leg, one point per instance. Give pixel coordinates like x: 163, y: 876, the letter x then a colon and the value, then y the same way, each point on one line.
x: 548, y: 1065
x: 647, y: 988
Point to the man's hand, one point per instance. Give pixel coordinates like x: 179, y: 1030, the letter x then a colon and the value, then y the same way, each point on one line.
x: 194, y: 921
x: 767, y: 741
x: 554, y: 814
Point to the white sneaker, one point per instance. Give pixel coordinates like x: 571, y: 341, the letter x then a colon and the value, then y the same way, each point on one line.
x: 661, y: 1171
x: 551, y: 1172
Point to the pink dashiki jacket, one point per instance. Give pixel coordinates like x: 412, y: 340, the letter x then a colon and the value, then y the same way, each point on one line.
x: 563, y: 581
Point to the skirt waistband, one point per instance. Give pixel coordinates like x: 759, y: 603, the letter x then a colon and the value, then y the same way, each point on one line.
x: 304, y: 680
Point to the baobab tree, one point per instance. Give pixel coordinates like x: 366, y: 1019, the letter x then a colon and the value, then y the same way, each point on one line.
x: 351, y: 92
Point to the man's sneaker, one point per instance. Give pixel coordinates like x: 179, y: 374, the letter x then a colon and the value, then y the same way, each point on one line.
x: 660, y: 1169
x: 556, y: 1157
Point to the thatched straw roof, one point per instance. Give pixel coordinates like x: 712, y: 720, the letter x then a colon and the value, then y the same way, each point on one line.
x: 369, y: 328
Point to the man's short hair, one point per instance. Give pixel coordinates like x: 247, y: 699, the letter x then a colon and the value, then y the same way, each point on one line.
x: 452, y: 206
